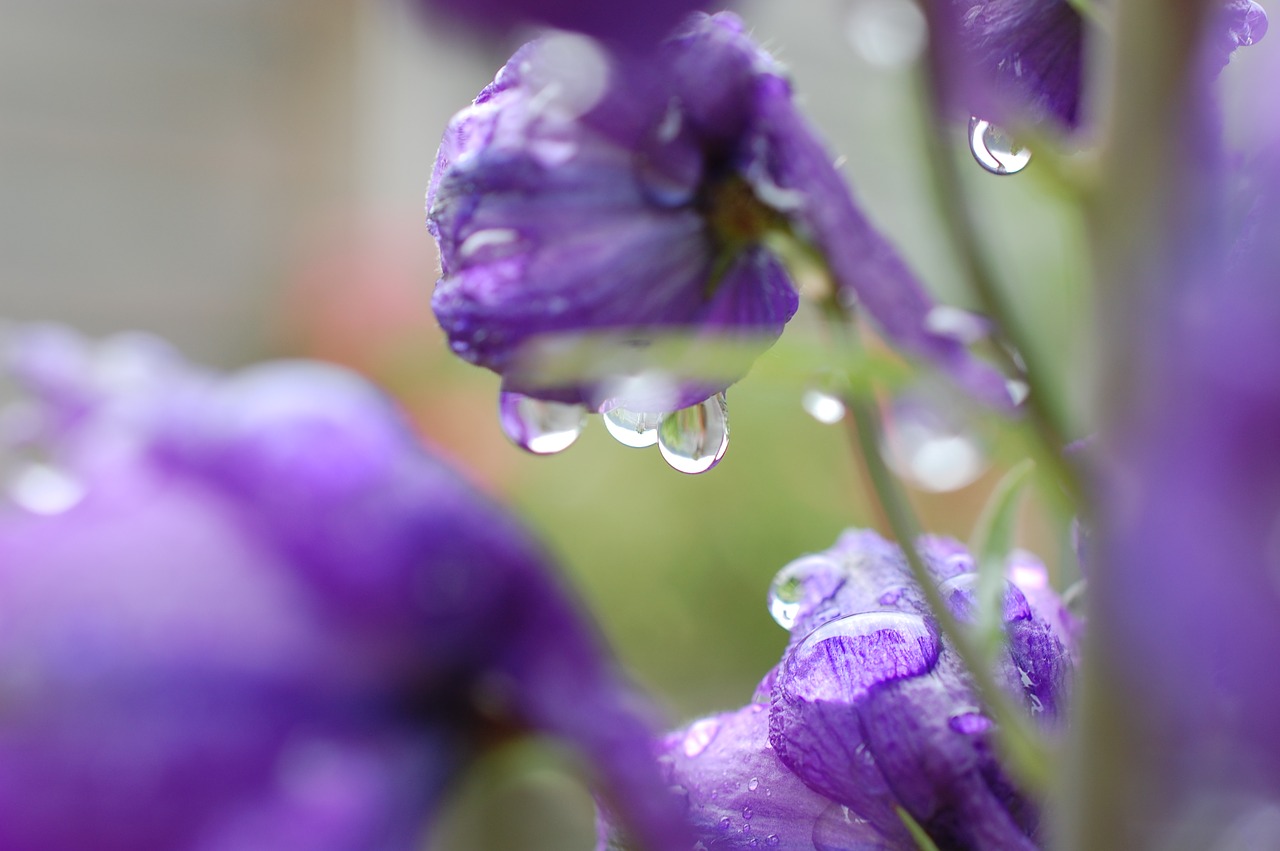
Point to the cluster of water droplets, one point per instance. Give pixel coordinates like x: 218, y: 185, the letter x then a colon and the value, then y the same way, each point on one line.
x: 691, y: 440
x: 995, y: 150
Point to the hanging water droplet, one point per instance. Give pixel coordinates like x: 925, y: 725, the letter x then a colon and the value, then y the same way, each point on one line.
x: 930, y: 444
x: 694, y: 439
x: 42, y: 489
x: 823, y: 407
x: 994, y: 149
x: 538, y: 426
x: 1018, y: 390
x: 700, y: 735
x: 632, y: 429
x: 811, y: 577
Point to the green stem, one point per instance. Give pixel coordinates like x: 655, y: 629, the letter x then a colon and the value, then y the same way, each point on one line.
x: 1047, y: 419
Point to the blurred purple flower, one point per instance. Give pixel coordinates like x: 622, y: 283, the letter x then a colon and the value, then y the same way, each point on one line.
x: 587, y: 193
x: 1023, y: 61
x: 625, y: 24
x: 252, y: 612
x: 870, y: 711
x: 1191, y: 521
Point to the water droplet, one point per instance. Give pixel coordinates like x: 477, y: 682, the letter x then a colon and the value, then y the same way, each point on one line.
x: 809, y: 578
x: 844, y: 658
x: 929, y: 444
x: 725, y: 823
x: 969, y: 723
x: 823, y: 407
x: 961, y: 325
x: 753, y: 785
x: 995, y: 150
x: 632, y: 429
x: 538, y: 426
x: 746, y: 828
x: 886, y: 33
x: 888, y: 598
x: 42, y: 489
x: 700, y: 735
x: 694, y: 439
x: 772, y: 840
x: 488, y: 245
x: 1018, y: 390
x: 747, y: 813
x: 568, y: 74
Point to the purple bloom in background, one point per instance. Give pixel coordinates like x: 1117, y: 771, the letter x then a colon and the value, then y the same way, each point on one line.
x: 870, y: 711
x: 1023, y: 61
x: 586, y: 193
x: 1191, y: 523
x: 625, y: 24
x: 252, y: 612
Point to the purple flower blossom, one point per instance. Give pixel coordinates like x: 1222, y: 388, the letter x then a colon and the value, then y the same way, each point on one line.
x: 585, y: 193
x: 870, y: 711
x: 1023, y: 60
x: 252, y: 612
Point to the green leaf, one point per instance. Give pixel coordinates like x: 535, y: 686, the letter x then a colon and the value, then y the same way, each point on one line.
x: 922, y: 839
x: 991, y: 542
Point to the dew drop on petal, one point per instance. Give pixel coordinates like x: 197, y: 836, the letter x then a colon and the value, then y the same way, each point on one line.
x: 747, y: 813
x: 811, y: 577
x: 970, y: 723
x: 823, y: 407
x: 844, y: 658
x: 538, y: 426
x: 995, y: 150
x: 700, y: 736
x: 694, y: 439
x: 753, y: 785
x: 632, y: 429
x: 725, y: 823
x: 42, y: 489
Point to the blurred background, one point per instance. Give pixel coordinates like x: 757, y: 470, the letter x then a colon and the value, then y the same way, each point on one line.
x: 246, y: 179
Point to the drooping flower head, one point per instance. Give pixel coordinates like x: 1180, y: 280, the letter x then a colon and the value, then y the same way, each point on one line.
x: 585, y: 193
x: 252, y: 612
x: 870, y: 712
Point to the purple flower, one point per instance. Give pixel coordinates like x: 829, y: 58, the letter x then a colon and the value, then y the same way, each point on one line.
x: 252, y: 612
x: 584, y: 193
x: 627, y: 24
x: 870, y: 711
x: 1023, y: 61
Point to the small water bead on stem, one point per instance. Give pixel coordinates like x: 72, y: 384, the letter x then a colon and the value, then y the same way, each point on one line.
x: 824, y: 407
x: 694, y: 439
x: 630, y: 428
x: 995, y: 150
x: 538, y: 426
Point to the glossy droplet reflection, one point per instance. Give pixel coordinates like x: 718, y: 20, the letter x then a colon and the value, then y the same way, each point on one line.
x: 42, y: 489
x: 694, y: 439
x: 995, y: 150
x: 538, y: 426
x: 823, y: 407
x: 632, y: 429
x: 700, y: 736
x: 811, y: 577
x: 843, y: 658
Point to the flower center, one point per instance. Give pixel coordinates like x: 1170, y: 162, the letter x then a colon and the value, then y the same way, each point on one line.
x: 737, y: 219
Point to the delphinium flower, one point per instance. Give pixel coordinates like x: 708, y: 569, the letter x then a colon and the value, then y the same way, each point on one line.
x: 870, y: 714
x: 585, y: 194
x: 253, y: 612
